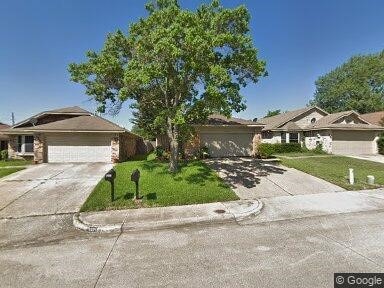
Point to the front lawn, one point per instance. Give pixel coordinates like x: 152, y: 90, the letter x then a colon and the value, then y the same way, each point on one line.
x: 302, y: 154
x: 335, y: 169
x: 195, y: 183
x: 7, y: 171
x: 14, y: 162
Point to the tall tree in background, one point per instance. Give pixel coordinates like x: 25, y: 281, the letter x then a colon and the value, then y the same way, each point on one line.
x: 357, y: 85
x: 271, y: 113
x: 177, y: 66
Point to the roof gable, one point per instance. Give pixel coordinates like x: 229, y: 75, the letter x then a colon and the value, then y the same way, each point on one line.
x: 280, y: 120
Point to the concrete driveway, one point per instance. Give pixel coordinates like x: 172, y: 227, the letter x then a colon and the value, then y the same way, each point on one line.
x: 370, y: 157
x: 253, y: 179
x: 49, y: 189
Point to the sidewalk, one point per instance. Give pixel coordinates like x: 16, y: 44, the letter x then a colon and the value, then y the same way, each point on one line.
x: 243, y: 211
x: 166, y: 217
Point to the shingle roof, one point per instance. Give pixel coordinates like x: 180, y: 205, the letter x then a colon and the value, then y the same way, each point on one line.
x: 217, y: 119
x: 81, y: 123
x: 73, y: 109
x: 290, y: 126
x: 374, y: 118
x: 276, y: 121
x: 3, y: 126
x: 327, y: 122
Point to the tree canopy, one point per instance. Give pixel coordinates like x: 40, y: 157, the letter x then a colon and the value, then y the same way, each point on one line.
x: 271, y: 113
x: 357, y: 85
x: 177, y: 67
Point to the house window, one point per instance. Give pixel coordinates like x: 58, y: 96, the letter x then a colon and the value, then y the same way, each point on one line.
x: 283, y: 137
x: 25, y: 144
x: 3, y: 145
x: 293, y: 137
x: 313, y: 120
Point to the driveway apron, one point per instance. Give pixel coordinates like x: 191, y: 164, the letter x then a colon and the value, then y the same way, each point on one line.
x: 49, y: 189
x: 254, y: 179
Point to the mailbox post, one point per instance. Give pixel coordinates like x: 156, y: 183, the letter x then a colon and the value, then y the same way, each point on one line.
x: 135, y: 176
x: 110, y: 177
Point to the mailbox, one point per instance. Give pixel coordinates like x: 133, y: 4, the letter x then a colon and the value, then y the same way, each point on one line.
x: 110, y: 177
x: 135, y: 176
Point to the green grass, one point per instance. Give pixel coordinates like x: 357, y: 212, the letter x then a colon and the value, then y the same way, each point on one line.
x: 15, y: 162
x: 335, y: 169
x: 6, y: 171
x: 302, y: 154
x: 195, y: 183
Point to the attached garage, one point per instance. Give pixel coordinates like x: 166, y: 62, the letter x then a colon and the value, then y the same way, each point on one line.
x: 228, y: 141
x: 354, y: 142
x: 79, y: 147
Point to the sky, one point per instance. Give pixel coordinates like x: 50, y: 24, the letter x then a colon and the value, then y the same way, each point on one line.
x: 300, y: 40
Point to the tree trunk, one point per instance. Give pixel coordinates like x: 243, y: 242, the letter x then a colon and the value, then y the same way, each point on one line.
x: 172, y: 132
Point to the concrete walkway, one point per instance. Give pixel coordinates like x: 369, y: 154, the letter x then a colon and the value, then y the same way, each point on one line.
x: 48, y: 189
x: 255, y: 179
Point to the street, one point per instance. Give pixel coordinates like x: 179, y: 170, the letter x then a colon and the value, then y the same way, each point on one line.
x: 47, y: 251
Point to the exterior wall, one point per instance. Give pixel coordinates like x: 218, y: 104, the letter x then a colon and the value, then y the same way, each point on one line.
x: 39, y: 149
x: 162, y: 140
x: 193, y: 145
x: 125, y: 148
x: 275, y: 137
x: 319, y: 137
x: 305, y: 119
x: 115, y: 149
x: 255, y: 143
x: 350, y: 119
x: 12, y: 149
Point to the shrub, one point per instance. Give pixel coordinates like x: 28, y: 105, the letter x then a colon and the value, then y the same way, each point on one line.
x: 380, y: 144
x: 319, y: 149
x: 266, y: 150
x: 159, y: 151
x: 4, y: 155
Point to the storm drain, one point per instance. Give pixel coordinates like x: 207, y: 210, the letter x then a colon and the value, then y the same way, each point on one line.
x: 219, y: 211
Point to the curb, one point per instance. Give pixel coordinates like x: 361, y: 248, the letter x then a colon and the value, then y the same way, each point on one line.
x: 92, y: 228
x: 236, y: 212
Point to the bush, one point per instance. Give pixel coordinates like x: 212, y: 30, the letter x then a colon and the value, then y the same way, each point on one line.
x: 380, y: 144
x: 159, y: 151
x: 4, y: 155
x: 266, y: 150
x: 319, y: 149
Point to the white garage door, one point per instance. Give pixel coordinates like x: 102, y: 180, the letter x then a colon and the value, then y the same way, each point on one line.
x: 79, y: 148
x: 228, y: 144
x: 353, y: 142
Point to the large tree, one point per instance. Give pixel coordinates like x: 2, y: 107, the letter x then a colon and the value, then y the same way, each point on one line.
x: 357, y: 85
x: 177, y: 66
x: 271, y: 113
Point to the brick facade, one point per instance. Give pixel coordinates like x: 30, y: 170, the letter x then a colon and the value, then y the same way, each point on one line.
x: 38, y: 148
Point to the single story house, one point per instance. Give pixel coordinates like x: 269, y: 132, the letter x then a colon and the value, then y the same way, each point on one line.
x: 70, y: 135
x: 376, y: 118
x: 3, y: 138
x: 339, y: 133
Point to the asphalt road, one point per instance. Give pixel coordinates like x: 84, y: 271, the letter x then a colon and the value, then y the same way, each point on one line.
x: 46, y: 251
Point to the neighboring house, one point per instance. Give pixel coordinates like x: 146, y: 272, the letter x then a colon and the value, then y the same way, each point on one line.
x: 3, y: 138
x: 70, y: 135
x: 376, y: 118
x: 339, y: 133
x: 223, y: 137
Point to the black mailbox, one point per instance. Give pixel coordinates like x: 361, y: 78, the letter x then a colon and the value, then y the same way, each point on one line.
x: 110, y: 177
x: 135, y: 176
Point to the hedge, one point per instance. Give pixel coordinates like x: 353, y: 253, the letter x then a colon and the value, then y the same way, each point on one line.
x: 380, y: 144
x: 266, y: 150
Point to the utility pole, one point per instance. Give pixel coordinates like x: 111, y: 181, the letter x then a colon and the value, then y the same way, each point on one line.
x: 13, y: 118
